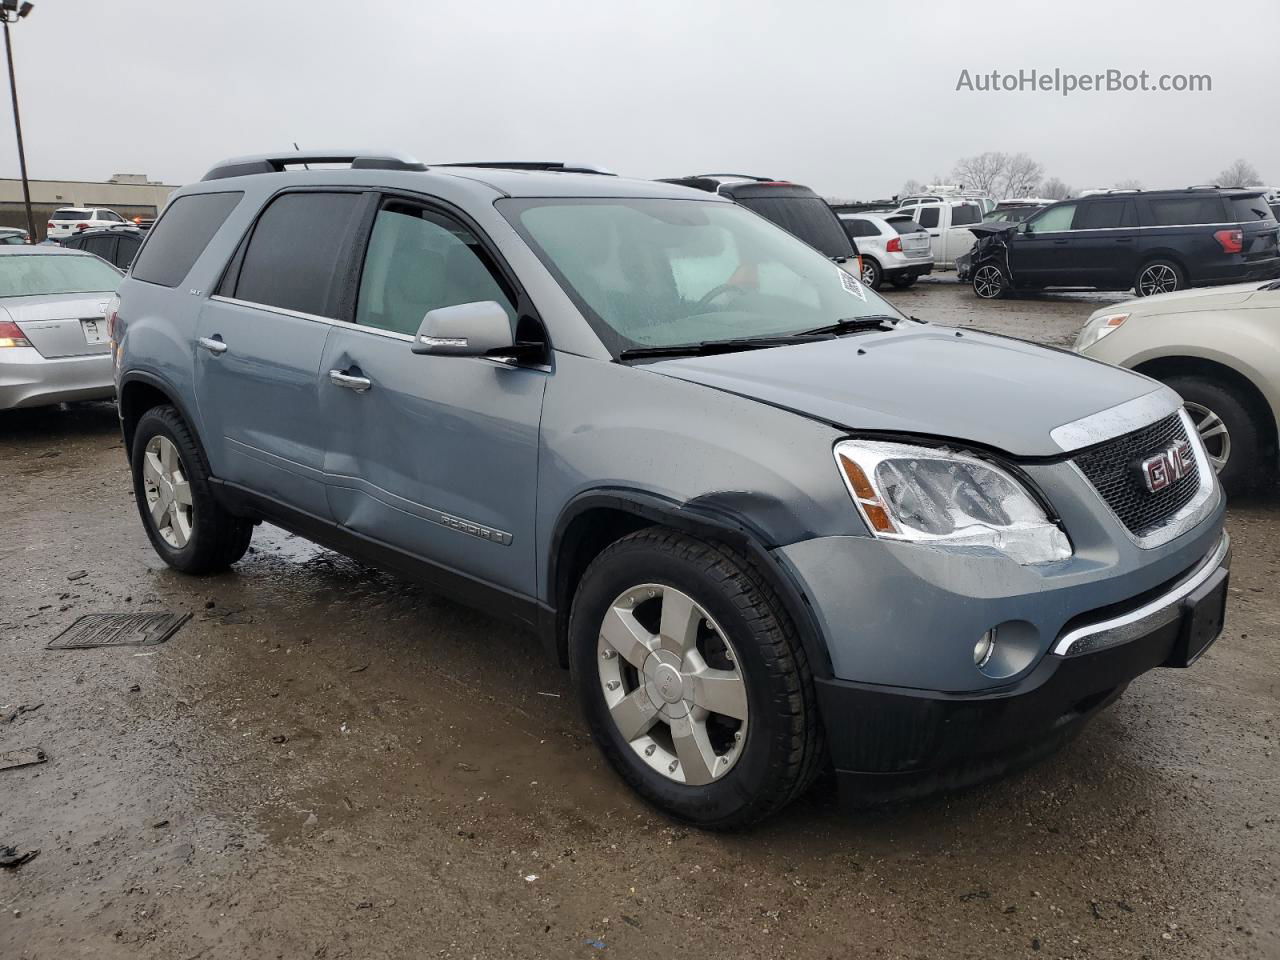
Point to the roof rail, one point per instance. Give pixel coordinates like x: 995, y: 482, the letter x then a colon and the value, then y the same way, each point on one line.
x: 740, y: 176
x: 277, y: 162
x: 554, y: 166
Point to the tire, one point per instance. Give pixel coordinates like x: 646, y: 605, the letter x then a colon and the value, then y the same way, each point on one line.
x: 989, y: 282
x: 1158, y: 276
x: 902, y: 282
x: 770, y: 755
x: 200, y: 537
x: 872, y: 276
x: 1228, y: 428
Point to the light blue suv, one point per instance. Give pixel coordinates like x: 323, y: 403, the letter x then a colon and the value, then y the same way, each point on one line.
x: 768, y: 522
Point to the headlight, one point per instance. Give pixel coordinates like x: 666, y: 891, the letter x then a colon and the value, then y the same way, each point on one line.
x: 932, y: 495
x: 1097, y: 328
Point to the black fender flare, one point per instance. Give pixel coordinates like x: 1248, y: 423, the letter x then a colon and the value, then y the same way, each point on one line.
x: 698, y: 519
x: 171, y: 394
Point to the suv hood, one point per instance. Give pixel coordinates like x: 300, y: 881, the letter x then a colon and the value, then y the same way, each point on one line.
x: 926, y: 380
x: 992, y: 228
x: 1202, y: 298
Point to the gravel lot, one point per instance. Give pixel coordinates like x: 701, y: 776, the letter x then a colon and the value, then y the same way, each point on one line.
x: 330, y: 762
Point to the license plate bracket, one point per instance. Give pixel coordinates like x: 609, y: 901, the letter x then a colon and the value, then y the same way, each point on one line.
x: 1203, y: 614
x: 95, y: 331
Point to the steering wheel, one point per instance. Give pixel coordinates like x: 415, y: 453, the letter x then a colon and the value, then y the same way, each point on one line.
x: 718, y: 291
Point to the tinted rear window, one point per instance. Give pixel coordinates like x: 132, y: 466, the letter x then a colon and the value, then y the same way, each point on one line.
x: 929, y: 216
x: 1104, y: 215
x: 1246, y: 209
x: 180, y: 236
x: 905, y: 225
x: 808, y: 218
x: 292, y: 258
x: 965, y: 213
x: 72, y: 215
x: 1180, y: 211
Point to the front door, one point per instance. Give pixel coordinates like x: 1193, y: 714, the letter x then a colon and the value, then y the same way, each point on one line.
x: 1104, y: 243
x: 1039, y: 253
x: 434, y: 456
x: 260, y: 343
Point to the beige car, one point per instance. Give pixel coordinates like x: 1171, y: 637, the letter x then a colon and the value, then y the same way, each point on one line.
x: 1220, y: 349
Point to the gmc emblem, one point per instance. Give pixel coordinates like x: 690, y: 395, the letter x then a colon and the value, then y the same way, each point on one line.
x: 1168, y: 466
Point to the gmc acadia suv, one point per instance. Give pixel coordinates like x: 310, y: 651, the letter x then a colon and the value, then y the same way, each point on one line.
x: 768, y: 522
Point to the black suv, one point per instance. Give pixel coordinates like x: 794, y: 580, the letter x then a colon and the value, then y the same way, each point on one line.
x: 116, y: 245
x: 1154, y: 241
x: 795, y: 208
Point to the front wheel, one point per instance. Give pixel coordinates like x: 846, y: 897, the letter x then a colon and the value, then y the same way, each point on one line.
x: 693, y: 679
x: 1227, y: 428
x: 1158, y: 276
x: 989, y: 282
x: 188, y: 528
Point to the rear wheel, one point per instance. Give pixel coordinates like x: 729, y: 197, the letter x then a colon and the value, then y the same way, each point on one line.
x: 989, y: 282
x: 1158, y: 276
x: 902, y: 282
x: 188, y: 528
x: 693, y: 679
x: 872, y: 275
x: 1228, y: 429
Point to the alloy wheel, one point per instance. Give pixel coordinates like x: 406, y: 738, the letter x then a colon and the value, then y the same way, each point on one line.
x: 168, y: 492
x: 1213, y: 431
x: 673, y: 684
x: 988, y: 282
x: 868, y: 273
x: 1157, y: 278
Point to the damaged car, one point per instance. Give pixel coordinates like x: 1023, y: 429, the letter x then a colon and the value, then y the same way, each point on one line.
x: 768, y: 523
x: 1151, y: 242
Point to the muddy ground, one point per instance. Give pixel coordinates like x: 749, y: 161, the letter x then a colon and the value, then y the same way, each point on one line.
x: 328, y: 762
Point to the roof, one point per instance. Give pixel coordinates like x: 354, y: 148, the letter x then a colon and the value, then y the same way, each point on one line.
x: 396, y: 169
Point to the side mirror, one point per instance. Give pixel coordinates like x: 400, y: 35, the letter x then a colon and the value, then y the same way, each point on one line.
x: 465, y: 330
x: 1024, y: 227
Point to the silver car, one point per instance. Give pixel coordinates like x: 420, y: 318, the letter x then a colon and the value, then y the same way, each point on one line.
x: 53, y: 329
x: 767, y: 521
x: 893, y: 248
x: 1220, y: 349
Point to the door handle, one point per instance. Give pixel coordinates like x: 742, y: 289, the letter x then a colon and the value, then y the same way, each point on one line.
x: 213, y: 344
x: 1124, y: 239
x: 348, y: 382
x: 1060, y: 241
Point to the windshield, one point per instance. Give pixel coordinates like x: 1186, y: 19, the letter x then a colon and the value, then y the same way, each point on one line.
x: 34, y: 275
x: 651, y: 273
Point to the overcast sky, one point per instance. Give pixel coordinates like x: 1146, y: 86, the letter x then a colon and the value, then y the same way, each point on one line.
x: 850, y: 97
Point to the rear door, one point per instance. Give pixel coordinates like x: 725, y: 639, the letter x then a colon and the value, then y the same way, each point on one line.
x: 1181, y: 228
x: 957, y: 238
x: 929, y: 216
x: 261, y: 339
x: 435, y: 456
x: 1103, y: 247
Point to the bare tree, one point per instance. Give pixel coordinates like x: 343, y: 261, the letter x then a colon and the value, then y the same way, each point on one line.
x: 1242, y: 173
x: 1130, y: 184
x: 983, y: 172
x: 1055, y: 189
x: 1021, y: 174
x: 910, y: 187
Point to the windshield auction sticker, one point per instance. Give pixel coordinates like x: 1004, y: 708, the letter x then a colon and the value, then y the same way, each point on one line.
x: 852, y: 285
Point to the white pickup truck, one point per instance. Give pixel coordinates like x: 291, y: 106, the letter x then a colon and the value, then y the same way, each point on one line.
x: 947, y: 222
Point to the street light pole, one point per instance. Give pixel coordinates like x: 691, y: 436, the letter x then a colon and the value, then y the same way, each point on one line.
x: 17, y: 120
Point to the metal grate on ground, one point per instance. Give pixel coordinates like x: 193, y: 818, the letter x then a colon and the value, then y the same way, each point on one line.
x: 118, y: 630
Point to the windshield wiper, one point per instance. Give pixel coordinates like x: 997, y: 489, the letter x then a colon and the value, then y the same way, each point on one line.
x: 880, y: 321
x: 1273, y: 285
x: 709, y: 347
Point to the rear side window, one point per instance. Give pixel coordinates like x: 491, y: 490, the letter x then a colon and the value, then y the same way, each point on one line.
x: 126, y: 250
x: 1104, y: 215
x: 929, y: 216
x: 1181, y: 211
x: 419, y: 261
x: 808, y: 218
x: 965, y: 213
x: 1247, y: 209
x: 292, y: 260
x: 181, y: 235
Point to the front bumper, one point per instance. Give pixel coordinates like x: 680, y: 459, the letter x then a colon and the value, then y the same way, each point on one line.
x: 29, y: 380
x: 895, y: 742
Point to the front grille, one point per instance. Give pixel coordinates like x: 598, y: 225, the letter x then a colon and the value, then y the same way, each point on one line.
x: 1114, y: 470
